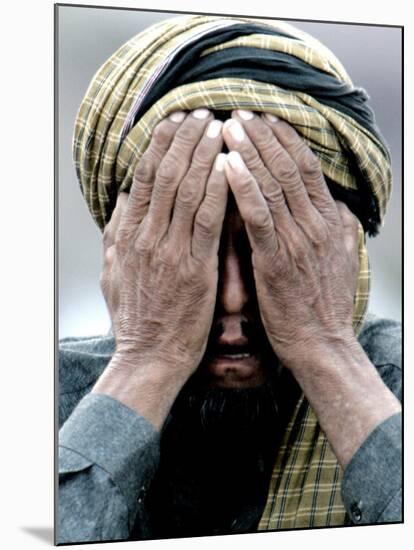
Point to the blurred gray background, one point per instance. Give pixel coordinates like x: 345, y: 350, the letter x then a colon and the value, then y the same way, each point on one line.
x: 88, y: 36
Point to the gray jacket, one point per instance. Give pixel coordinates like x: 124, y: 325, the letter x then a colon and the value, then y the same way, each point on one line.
x: 108, y: 454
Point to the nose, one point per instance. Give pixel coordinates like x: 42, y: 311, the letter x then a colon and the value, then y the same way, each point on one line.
x: 232, y: 291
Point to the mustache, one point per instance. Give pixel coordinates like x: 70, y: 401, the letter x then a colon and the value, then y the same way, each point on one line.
x: 253, y: 332
x: 249, y: 328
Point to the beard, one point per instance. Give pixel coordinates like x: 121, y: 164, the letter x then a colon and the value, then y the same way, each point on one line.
x: 218, y: 444
x: 214, y: 413
x: 211, y: 411
x: 217, y: 450
x: 215, y: 429
x: 231, y: 418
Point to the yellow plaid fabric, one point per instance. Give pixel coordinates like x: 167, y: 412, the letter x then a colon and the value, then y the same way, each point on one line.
x: 305, y: 485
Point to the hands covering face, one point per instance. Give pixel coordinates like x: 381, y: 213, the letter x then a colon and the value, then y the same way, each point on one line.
x: 160, y: 271
x: 304, y: 244
x: 161, y: 246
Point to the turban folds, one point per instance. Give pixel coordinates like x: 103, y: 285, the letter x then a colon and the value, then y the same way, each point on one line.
x: 225, y: 63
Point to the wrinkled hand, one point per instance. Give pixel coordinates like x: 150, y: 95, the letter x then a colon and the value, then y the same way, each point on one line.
x: 304, y: 244
x: 160, y: 269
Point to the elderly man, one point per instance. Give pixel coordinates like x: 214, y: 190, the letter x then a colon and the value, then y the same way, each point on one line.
x: 243, y: 387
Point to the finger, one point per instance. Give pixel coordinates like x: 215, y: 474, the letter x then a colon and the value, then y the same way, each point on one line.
x: 111, y: 227
x: 191, y: 190
x: 283, y: 170
x: 252, y: 205
x: 173, y: 168
x: 144, y: 174
x: 208, y: 221
x: 308, y: 165
x: 237, y: 140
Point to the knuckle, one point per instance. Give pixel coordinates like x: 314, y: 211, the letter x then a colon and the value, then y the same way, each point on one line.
x: 290, y: 137
x: 162, y: 133
x: 187, y: 195
x: 274, y: 195
x: 318, y: 232
x: 205, y: 221
x: 187, y: 134
x: 203, y: 157
x: 310, y: 164
x: 286, y: 170
x: 145, y: 170
x: 251, y: 158
x: 167, y: 170
x: 259, y: 218
x: 259, y: 129
x: 167, y: 255
x: 200, y: 164
x: 244, y: 186
x: 263, y: 136
x: 298, y: 245
x: 122, y: 240
x: 297, y: 147
x: 143, y: 246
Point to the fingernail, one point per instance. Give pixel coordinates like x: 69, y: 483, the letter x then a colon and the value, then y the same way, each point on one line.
x: 201, y: 113
x: 235, y: 129
x: 235, y: 161
x: 178, y: 116
x: 220, y: 162
x: 214, y: 128
x: 245, y: 115
x: 271, y: 118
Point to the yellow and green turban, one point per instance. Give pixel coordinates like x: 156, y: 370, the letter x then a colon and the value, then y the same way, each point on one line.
x: 225, y: 63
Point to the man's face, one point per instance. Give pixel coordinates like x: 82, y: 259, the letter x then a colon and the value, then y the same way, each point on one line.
x: 238, y: 353
x: 235, y: 389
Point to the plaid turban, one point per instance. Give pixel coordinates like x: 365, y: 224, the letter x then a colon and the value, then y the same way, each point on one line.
x: 225, y: 63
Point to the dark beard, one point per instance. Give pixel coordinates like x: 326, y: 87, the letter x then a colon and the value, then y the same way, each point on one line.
x: 212, y: 413
x: 218, y: 448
